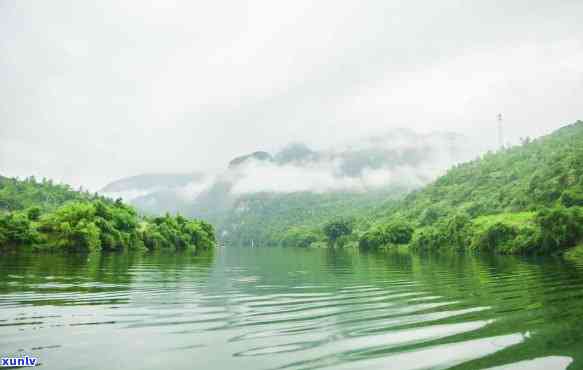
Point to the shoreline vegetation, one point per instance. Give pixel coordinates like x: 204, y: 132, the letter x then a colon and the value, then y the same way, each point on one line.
x: 42, y: 216
x: 524, y: 199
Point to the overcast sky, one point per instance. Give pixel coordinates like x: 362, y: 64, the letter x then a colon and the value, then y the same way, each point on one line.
x: 91, y: 91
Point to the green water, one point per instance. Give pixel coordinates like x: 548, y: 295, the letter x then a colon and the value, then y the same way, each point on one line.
x: 271, y: 308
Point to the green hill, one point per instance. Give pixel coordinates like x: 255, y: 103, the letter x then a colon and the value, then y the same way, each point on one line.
x: 522, y: 199
x: 21, y: 194
x: 272, y: 218
x: 46, y: 216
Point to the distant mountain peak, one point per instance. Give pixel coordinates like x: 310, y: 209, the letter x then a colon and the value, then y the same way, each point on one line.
x: 152, y: 180
x: 295, y: 152
x: 259, y: 156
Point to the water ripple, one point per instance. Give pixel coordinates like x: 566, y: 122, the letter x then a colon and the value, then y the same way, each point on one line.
x: 290, y: 309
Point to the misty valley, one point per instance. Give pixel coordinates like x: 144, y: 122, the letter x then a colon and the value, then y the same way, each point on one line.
x: 417, y: 251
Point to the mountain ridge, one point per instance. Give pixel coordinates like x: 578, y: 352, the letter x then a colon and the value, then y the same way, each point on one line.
x: 384, y: 166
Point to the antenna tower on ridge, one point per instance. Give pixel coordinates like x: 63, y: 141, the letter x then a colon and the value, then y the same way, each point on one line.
x: 500, y: 134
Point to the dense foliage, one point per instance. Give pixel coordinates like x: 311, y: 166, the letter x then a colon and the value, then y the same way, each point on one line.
x: 21, y: 194
x: 301, y: 237
x: 522, y: 199
x: 278, y: 219
x: 88, y: 223
x: 393, y: 233
x: 177, y: 232
x: 337, y: 230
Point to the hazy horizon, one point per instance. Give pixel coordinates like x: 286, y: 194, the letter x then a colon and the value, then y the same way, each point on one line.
x: 92, y: 92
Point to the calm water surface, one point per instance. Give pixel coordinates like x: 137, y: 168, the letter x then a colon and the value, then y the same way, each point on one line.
x: 271, y: 308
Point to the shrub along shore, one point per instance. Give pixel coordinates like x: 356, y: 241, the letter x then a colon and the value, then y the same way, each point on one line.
x: 544, y: 232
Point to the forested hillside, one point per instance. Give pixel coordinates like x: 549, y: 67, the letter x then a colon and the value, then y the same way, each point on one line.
x: 522, y: 199
x: 46, y: 195
x: 47, y: 216
x: 284, y: 219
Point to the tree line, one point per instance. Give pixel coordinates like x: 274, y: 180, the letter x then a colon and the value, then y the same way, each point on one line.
x: 45, y: 216
x: 525, y: 199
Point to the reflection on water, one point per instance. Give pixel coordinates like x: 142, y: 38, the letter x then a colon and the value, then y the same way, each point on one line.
x: 292, y: 309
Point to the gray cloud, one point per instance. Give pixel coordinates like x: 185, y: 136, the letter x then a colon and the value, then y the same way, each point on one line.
x: 94, y: 91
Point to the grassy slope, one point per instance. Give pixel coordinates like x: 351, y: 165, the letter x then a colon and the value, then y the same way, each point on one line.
x: 511, y: 219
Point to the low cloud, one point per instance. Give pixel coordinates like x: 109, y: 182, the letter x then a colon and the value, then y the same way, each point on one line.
x: 400, y: 158
x: 194, y: 189
x: 258, y: 177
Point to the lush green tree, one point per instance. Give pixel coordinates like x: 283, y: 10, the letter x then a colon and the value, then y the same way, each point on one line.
x: 373, y: 238
x: 178, y: 233
x: 300, y: 237
x: 458, y: 230
x: 560, y: 227
x: 494, y: 237
x: 394, y: 233
x: 338, y: 228
x: 16, y: 228
x: 34, y: 213
x: 399, y: 232
x: 429, y: 238
x: 572, y: 198
x: 71, y: 227
x: 430, y: 215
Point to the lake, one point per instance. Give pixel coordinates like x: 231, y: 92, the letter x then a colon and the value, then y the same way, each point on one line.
x: 274, y: 308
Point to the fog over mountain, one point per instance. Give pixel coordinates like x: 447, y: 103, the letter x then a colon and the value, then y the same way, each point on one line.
x: 398, y: 158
